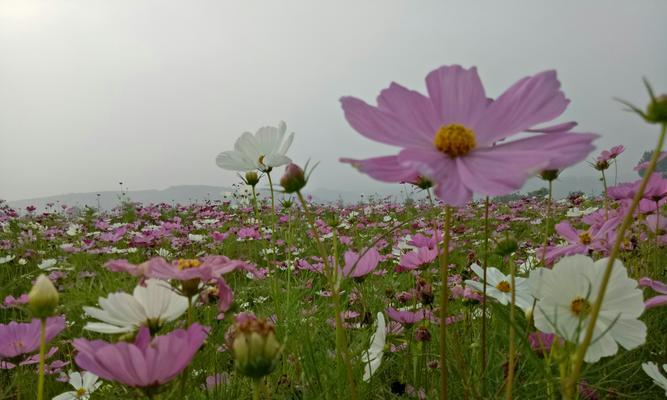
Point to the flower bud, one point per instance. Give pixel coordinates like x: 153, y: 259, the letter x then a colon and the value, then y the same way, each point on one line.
x: 43, y: 298
x: 549, y: 174
x: 251, y: 178
x: 294, y: 179
x: 656, y: 112
x: 255, y: 347
x: 422, y: 334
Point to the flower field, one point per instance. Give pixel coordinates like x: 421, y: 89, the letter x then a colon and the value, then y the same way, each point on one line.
x: 459, y: 294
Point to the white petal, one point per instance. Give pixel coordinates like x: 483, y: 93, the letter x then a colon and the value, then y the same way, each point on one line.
x: 373, y: 357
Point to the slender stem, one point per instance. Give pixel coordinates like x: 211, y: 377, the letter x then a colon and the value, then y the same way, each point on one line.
x: 254, y: 202
x: 256, y: 388
x: 547, y: 231
x: 485, y: 264
x: 444, y: 303
x: 42, y: 356
x: 606, y: 198
x: 510, y: 372
x: 341, y: 339
x: 189, y: 322
x: 656, y: 252
x: 569, y: 386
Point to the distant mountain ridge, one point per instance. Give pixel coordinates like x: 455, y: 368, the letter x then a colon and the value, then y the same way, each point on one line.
x: 188, y: 194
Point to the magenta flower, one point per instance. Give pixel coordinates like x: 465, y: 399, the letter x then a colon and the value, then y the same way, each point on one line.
x: 356, y: 267
x: 608, y: 155
x: 581, y: 241
x: 408, y: 317
x: 146, y: 362
x: 658, y: 287
x: 18, y: 338
x: 450, y: 136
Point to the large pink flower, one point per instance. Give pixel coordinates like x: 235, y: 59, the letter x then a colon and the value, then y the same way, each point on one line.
x: 146, y: 362
x: 23, y: 338
x: 451, y: 136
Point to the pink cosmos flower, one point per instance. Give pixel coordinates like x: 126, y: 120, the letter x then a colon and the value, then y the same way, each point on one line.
x: 146, y: 362
x: 23, y: 338
x: 408, y: 317
x: 450, y: 136
x: 356, y: 267
x: 657, y: 286
x: 642, y: 165
x: 611, y: 154
x: 581, y: 241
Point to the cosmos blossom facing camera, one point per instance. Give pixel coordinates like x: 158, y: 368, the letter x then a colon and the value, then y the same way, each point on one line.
x: 452, y: 136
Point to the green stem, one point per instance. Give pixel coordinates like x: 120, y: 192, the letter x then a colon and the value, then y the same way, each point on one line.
x: 485, y: 264
x: 571, y: 381
x: 341, y: 339
x: 42, y: 356
x: 510, y: 371
x: 547, y: 223
x: 606, y: 198
x: 444, y: 303
x: 256, y: 389
x: 254, y: 203
x: 189, y: 311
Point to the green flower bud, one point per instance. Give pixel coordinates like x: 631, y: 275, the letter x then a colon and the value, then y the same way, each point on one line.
x: 43, y: 298
x: 656, y: 112
x: 255, y: 348
x: 549, y: 174
x: 251, y: 178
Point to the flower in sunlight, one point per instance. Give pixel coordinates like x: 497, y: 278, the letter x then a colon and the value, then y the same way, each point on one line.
x: 566, y: 295
x: 84, y: 384
x: 499, y: 287
x: 151, y: 306
x: 451, y: 137
x: 264, y: 150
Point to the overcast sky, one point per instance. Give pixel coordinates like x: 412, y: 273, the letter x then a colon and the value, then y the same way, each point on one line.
x: 149, y: 92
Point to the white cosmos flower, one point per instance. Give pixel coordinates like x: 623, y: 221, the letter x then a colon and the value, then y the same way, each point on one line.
x: 47, y: 264
x: 499, y: 286
x: 653, y: 371
x: 6, y: 259
x: 85, y: 384
x: 151, y: 306
x: 566, y: 295
x: 373, y: 357
x: 263, y: 150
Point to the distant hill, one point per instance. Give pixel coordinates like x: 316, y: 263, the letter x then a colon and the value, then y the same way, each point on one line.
x: 187, y: 194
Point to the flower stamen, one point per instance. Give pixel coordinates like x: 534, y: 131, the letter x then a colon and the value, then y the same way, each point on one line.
x: 504, y: 286
x: 454, y: 140
x: 580, y: 307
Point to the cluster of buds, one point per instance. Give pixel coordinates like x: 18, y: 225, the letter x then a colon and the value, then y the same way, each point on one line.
x: 43, y: 298
x: 254, y: 346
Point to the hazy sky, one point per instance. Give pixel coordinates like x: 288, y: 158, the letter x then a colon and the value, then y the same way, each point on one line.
x: 149, y: 92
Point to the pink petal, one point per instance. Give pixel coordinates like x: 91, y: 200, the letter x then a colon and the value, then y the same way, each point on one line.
x: 385, y: 169
x: 457, y: 95
x: 530, y: 101
x: 380, y: 125
x: 413, y: 108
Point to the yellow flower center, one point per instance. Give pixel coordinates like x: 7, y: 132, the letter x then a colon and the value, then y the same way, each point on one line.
x: 504, y: 286
x: 580, y: 306
x: 80, y: 392
x: 585, y: 238
x: 186, y: 264
x: 454, y: 140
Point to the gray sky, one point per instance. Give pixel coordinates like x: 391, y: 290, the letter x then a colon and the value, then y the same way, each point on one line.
x: 93, y: 92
